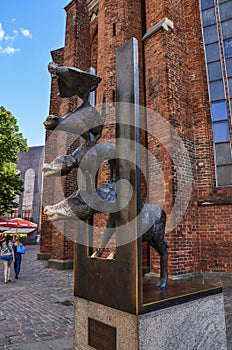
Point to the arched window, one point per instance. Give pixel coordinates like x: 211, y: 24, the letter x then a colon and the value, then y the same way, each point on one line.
x: 28, y: 193
x: 216, y: 17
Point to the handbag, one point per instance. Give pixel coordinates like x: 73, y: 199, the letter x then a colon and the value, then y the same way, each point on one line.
x: 21, y: 249
x: 6, y: 256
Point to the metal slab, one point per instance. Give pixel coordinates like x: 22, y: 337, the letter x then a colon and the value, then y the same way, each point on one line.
x: 115, y: 283
x: 177, y: 292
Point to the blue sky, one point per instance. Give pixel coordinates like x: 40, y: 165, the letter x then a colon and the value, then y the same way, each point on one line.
x: 29, y: 31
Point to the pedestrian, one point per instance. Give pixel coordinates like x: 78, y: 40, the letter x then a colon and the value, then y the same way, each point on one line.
x: 7, y: 256
x: 38, y: 239
x: 18, y: 257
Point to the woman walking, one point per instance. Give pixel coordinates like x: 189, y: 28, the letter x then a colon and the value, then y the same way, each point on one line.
x: 7, y: 256
x: 18, y: 257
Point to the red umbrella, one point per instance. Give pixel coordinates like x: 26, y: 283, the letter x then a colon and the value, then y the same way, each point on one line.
x: 20, y: 227
x: 18, y: 222
x: 5, y: 224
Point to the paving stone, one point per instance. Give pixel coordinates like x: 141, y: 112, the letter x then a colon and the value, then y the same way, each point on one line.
x: 37, y: 309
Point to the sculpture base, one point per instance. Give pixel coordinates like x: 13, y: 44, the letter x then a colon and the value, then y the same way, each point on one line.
x: 177, y: 292
x: 197, y: 324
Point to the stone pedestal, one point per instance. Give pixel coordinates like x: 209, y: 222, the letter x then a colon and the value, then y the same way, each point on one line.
x: 198, y: 324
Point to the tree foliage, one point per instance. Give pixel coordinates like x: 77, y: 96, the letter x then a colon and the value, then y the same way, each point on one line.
x: 11, y: 142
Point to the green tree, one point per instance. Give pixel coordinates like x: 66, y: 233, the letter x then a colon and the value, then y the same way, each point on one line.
x: 11, y: 142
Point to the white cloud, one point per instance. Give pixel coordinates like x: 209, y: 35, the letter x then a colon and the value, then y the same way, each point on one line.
x: 9, y: 50
x: 2, y: 32
x: 12, y: 37
x: 26, y: 32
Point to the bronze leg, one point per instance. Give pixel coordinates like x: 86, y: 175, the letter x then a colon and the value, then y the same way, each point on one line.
x: 110, y: 228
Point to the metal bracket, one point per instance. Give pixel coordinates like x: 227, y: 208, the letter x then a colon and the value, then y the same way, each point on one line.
x: 165, y: 23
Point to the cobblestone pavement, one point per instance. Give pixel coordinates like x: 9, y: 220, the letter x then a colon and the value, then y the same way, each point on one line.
x: 227, y: 292
x: 36, y: 311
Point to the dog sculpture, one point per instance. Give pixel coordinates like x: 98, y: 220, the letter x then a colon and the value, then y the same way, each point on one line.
x: 153, y: 221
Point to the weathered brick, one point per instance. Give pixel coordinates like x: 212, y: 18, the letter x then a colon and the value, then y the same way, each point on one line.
x: 172, y: 83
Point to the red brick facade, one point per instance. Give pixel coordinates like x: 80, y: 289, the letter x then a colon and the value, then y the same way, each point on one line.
x: 173, y: 82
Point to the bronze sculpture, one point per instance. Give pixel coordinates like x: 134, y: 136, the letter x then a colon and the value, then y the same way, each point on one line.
x: 153, y: 220
x: 85, y: 121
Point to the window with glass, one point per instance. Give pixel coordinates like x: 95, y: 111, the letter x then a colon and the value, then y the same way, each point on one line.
x: 216, y: 17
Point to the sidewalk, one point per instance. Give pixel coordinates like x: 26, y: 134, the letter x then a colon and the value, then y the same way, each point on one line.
x: 36, y: 311
x: 227, y: 291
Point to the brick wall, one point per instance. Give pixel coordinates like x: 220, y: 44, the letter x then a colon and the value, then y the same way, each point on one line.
x: 54, y: 238
x: 172, y: 84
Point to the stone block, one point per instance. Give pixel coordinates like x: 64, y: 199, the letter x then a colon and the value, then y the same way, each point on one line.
x: 199, y: 324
